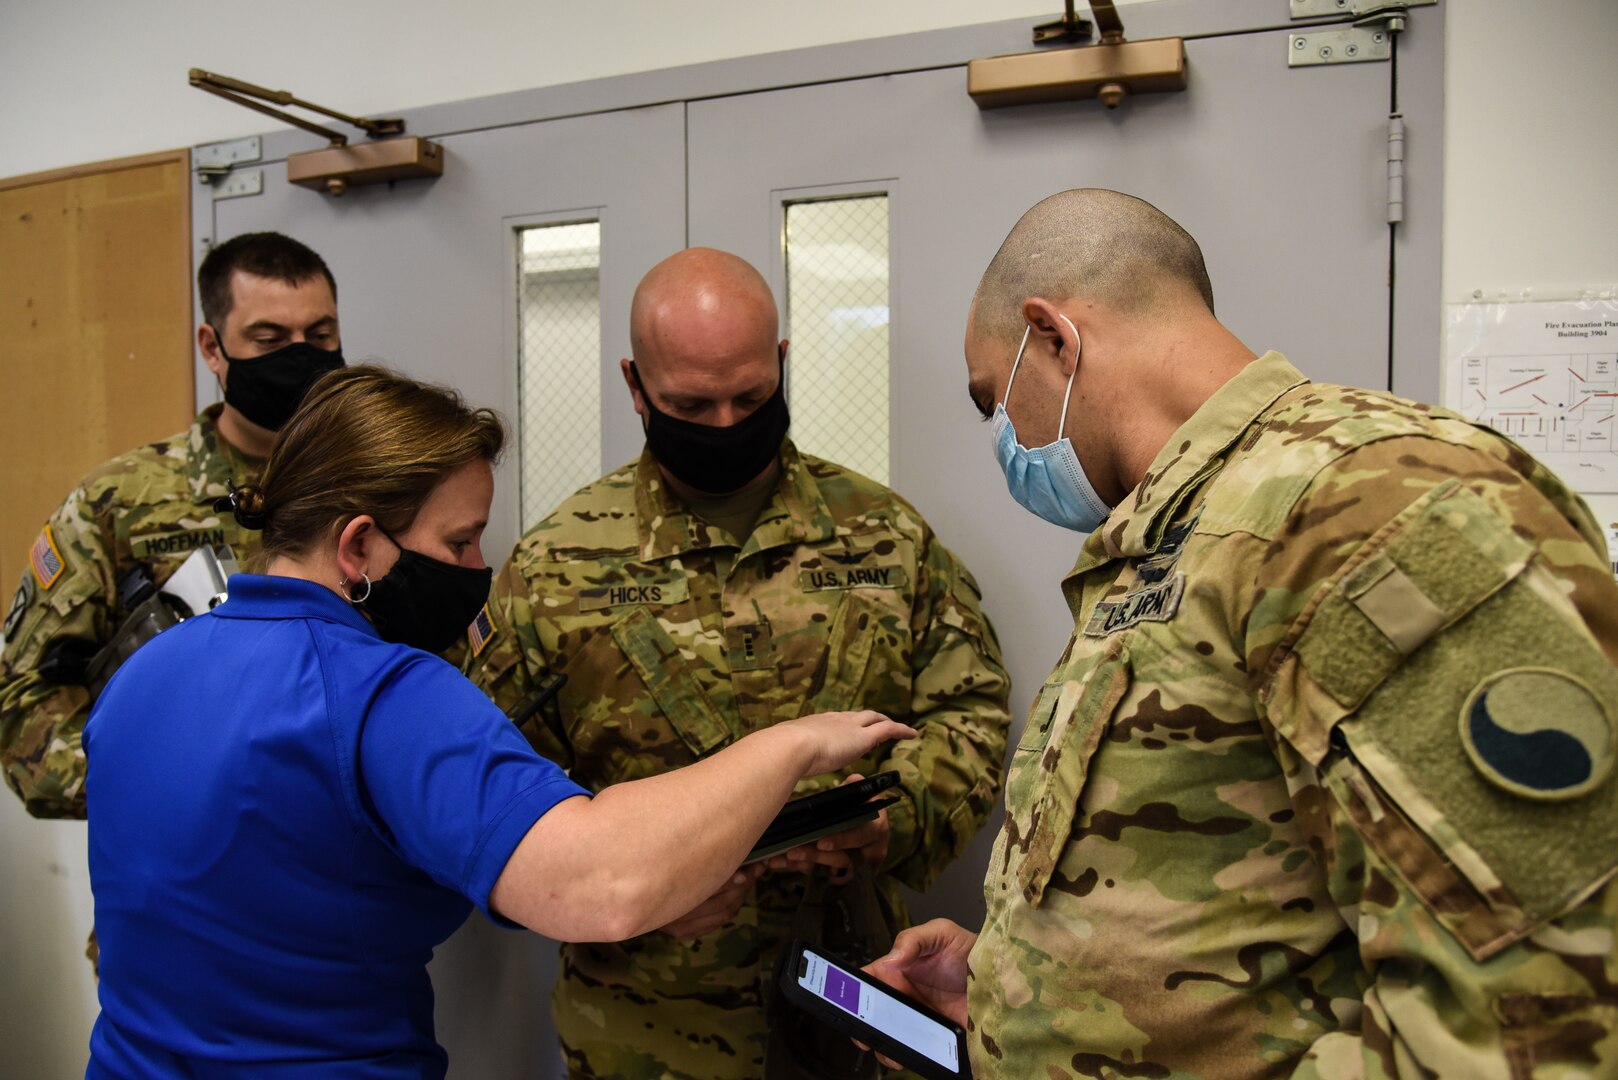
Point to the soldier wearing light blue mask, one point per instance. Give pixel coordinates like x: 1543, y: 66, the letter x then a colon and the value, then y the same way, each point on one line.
x: 1049, y: 480
x: 1325, y: 780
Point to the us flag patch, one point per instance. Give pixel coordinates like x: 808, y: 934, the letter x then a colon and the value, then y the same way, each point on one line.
x: 481, y: 632
x: 45, y: 559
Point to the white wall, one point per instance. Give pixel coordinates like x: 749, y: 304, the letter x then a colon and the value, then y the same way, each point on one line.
x: 98, y: 79
x: 1532, y: 105
x: 1531, y: 153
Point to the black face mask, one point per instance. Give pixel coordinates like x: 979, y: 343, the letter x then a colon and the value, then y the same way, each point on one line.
x: 717, y: 460
x: 268, y: 388
x: 423, y: 602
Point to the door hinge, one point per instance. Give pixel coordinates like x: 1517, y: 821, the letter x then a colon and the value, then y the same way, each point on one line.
x: 238, y: 183
x: 214, y: 161
x: 1396, y: 168
x: 1369, y: 39
x: 1355, y: 9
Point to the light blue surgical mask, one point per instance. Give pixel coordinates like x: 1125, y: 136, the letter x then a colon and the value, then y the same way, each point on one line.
x: 1048, y: 481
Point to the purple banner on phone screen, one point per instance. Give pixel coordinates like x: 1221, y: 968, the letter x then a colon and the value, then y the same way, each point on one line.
x: 842, y: 990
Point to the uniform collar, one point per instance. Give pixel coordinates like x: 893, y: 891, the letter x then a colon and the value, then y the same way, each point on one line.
x: 272, y: 596
x: 1195, y: 452
x: 212, y: 463
x: 796, y: 514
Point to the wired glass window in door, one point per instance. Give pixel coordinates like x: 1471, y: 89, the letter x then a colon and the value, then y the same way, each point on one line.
x: 837, y: 320
x: 558, y: 362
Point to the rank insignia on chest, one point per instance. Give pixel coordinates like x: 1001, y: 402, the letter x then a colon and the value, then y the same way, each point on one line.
x: 635, y: 593
x: 1157, y: 602
x: 45, y: 559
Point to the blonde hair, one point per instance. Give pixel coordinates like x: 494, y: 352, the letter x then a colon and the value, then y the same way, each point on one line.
x: 367, y: 440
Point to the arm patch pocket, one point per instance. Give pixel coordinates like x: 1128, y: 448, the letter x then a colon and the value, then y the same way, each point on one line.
x: 1446, y: 603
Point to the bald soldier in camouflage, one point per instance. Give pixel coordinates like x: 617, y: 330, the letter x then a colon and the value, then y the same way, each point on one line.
x: 1322, y: 783
x: 270, y: 310
x: 684, y: 618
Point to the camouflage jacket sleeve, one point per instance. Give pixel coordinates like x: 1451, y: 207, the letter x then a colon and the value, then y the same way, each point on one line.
x: 1433, y: 644
x: 61, y: 611
x: 510, y: 667
x: 959, y: 703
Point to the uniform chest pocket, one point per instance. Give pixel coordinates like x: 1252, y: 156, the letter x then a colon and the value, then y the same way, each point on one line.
x: 669, y: 680
x: 863, y: 665
x: 1049, y: 769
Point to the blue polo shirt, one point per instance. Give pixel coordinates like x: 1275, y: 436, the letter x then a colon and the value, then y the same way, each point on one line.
x: 286, y: 815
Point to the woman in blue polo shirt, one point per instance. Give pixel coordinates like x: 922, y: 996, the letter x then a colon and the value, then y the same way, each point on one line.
x: 292, y: 801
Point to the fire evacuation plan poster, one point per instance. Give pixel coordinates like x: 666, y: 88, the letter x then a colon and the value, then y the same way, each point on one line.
x: 1544, y: 373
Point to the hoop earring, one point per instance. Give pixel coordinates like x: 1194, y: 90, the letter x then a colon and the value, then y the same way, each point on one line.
x: 351, y: 598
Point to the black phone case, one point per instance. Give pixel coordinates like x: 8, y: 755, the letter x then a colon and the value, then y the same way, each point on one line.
x: 852, y: 1026
x: 826, y: 803
x: 777, y: 840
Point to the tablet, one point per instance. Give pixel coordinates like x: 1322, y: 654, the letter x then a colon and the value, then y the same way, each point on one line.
x: 895, y: 1025
x: 775, y: 841
x: 823, y: 813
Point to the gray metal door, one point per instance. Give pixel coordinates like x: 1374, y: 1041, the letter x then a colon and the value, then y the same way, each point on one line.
x: 1280, y: 174
x: 427, y: 282
x: 427, y: 270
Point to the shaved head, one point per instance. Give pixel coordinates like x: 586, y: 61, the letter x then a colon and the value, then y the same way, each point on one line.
x: 702, y: 328
x: 1094, y: 244
x: 696, y: 299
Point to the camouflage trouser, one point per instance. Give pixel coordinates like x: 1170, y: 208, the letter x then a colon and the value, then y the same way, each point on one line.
x: 654, y: 1008
x: 673, y: 1038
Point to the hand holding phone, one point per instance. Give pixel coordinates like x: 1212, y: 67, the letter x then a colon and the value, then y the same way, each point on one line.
x: 899, y: 1028
x: 928, y: 962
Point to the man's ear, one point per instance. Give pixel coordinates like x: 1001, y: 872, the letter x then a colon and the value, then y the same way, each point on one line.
x: 634, y: 388
x: 213, y: 354
x: 1054, y: 329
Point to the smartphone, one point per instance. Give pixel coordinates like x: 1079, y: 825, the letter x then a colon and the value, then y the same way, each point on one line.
x: 895, y: 1025
x: 823, y: 813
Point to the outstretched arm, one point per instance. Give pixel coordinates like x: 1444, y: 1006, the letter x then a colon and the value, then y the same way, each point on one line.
x: 640, y: 854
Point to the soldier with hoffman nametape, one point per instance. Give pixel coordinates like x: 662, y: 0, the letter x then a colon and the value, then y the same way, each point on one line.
x: 723, y: 583
x: 98, y: 581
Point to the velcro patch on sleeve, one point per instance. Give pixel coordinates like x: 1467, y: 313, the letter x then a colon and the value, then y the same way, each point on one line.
x: 1497, y: 740
x: 1396, y: 605
x: 1440, y: 559
x: 45, y: 559
x: 1539, y: 733
x: 1469, y: 689
x: 482, y: 631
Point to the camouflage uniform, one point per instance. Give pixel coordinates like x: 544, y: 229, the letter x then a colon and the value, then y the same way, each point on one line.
x: 152, y: 506
x: 675, y: 643
x: 1317, y: 788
